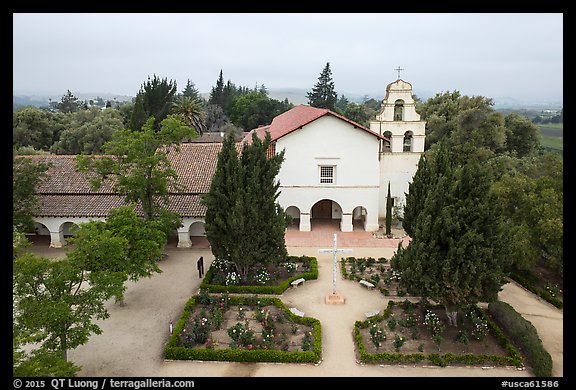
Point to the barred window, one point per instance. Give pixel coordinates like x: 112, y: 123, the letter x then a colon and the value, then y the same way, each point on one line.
x: 327, y: 174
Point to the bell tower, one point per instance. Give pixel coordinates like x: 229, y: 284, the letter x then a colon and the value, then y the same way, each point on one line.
x: 401, y: 125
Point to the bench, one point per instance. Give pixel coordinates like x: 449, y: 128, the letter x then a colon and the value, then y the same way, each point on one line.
x: 296, y: 282
x: 297, y: 312
x: 366, y: 284
x: 372, y: 313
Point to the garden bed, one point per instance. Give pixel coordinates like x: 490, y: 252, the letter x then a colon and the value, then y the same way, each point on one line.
x: 410, y: 332
x: 243, y: 328
x: 272, y: 279
x: 376, y: 271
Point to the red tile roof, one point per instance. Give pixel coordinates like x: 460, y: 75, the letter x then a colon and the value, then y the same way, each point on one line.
x: 67, y: 193
x: 297, y: 118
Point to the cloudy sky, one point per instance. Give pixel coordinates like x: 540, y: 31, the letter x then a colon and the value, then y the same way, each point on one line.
x: 517, y: 56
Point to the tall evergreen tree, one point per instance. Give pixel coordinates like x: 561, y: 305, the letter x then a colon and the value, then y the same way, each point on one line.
x: 69, y: 103
x: 157, y: 97
x: 432, y: 165
x: 191, y: 91
x: 138, y: 117
x: 217, y: 91
x: 459, y: 254
x: 323, y: 94
x: 244, y: 222
x: 388, y: 211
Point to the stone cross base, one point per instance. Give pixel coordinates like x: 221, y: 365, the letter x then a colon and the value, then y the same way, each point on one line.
x: 335, y: 298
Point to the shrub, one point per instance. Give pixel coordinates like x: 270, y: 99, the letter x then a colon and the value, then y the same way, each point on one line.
x: 523, y: 334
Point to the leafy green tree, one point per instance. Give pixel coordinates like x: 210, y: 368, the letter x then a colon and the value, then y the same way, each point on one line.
x: 359, y: 113
x: 69, y: 103
x: 26, y: 176
x: 532, y: 197
x: 191, y: 111
x: 244, y: 222
x: 58, y: 302
x: 139, y: 161
x: 522, y: 136
x: 39, y: 362
x: 137, y: 246
x: 255, y: 108
x: 33, y: 127
x: 460, y: 253
x: 323, y: 94
x: 88, y: 131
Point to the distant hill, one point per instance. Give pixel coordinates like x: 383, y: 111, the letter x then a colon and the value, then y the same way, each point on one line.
x: 295, y: 96
x: 22, y: 100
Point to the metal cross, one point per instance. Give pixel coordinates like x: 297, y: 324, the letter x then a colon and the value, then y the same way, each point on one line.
x: 398, y: 69
x: 334, y: 250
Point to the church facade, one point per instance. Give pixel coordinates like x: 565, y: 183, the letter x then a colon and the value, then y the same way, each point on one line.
x: 337, y: 169
x: 334, y: 169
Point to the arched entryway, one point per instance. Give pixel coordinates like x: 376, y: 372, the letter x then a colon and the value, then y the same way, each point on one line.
x: 359, y: 215
x: 325, y: 213
x: 294, y: 213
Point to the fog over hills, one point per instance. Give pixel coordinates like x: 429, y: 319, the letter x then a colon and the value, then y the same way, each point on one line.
x: 294, y: 95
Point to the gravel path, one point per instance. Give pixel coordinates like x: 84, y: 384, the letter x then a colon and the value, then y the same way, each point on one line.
x: 133, y: 338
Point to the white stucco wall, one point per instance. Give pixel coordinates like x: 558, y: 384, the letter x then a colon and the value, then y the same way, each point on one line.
x: 331, y: 141
x: 399, y: 169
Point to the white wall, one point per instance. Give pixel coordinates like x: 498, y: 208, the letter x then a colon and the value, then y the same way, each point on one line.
x: 399, y: 169
x: 331, y: 141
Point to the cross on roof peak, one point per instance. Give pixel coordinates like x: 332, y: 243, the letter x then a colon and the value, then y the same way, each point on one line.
x: 398, y: 69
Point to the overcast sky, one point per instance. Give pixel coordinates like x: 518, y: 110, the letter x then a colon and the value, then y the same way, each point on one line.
x: 494, y: 55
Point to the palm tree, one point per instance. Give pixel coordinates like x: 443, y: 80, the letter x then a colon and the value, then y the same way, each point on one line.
x: 191, y: 111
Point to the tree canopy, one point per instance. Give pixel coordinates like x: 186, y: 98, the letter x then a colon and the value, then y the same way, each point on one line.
x: 26, y: 176
x: 139, y: 162
x: 244, y: 222
x: 459, y: 254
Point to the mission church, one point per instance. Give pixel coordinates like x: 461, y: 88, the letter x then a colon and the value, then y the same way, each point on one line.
x: 334, y: 169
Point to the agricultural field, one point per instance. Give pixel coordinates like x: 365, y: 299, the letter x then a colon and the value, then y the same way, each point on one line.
x: 552, y: 135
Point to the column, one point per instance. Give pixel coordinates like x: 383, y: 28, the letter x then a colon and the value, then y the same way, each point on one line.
x: 184, y: 239
x: 346, y: 222
x: 305, y: 222
x: 57, y: 239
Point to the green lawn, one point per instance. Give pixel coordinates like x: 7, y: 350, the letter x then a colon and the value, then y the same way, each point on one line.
x: 553, y: 142
x: 552, y: 135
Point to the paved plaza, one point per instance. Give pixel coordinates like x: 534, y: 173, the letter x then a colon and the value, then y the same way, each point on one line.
x: 133, y: 338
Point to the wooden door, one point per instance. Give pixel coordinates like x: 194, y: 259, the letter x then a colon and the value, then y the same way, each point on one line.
x: 322, y: 209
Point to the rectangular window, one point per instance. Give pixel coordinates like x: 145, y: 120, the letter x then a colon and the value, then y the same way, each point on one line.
x: 327, y: 174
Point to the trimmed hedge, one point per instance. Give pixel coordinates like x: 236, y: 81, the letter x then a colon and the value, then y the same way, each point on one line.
x: 442, y: 360
x: 529, y: 282
x: 175, y: 352
x: 272, y: 290
x: 524, y: 334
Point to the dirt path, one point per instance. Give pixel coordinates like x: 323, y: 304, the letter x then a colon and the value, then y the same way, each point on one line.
x: 134, y: 336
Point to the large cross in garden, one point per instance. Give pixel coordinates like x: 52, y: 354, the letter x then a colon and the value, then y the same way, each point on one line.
x: 334, y: 297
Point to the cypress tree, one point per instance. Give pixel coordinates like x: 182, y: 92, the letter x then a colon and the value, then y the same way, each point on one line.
x: 244, y: 222
x: 459, y: 254
x: 388, y: 212
x: 221, y: 200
